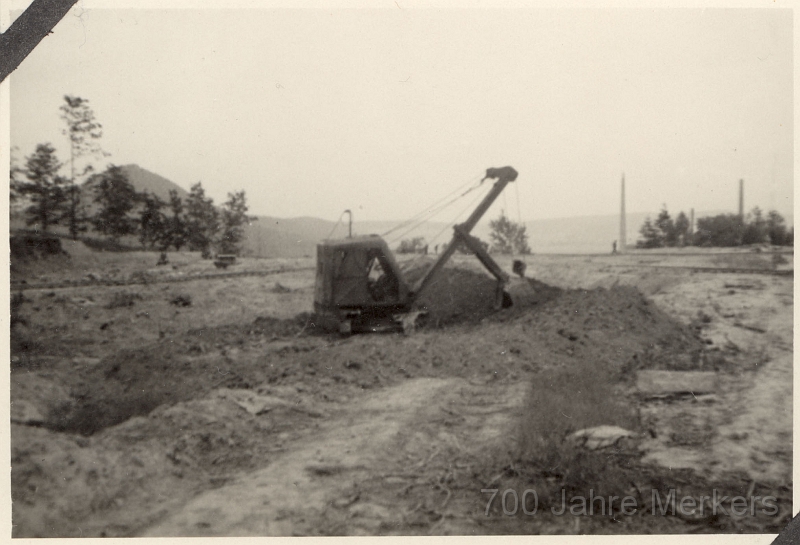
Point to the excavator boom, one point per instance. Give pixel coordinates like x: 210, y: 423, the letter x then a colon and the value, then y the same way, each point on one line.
x: 461, y: 233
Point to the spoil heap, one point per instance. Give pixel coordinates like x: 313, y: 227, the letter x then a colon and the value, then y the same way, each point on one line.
x: 459, y: 295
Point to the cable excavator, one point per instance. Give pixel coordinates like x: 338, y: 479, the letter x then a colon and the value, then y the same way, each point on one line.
x: 360, y: 287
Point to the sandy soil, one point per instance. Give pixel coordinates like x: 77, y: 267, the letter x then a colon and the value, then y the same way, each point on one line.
x: 135, y: 416
x: 750, y: 320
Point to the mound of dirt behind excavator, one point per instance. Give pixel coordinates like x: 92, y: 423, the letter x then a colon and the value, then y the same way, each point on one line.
x: 596, y: 316
x: 458, y: 294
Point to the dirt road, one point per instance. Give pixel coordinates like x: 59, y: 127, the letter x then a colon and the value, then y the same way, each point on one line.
x: 389, y: 435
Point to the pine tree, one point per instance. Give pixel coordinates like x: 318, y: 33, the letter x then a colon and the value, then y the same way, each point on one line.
x: 152, y: 222
x: 234, y: 219
x: 117, y: 198
x: 202, y: 220
x: 667, y: 227
x: 175, y: 224
x: 652, y: 236
x: 682, y: 229
x: 39, y: 180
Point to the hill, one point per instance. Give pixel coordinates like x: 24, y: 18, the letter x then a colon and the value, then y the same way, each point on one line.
x: 296, y: 237
x: 142, y: 181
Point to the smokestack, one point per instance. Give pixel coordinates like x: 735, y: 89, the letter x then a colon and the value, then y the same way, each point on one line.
x: 622, y: 229
x: 741, y: 199
x: 691, y: 222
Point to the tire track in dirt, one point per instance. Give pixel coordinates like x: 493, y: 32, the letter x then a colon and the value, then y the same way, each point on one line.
x: 370, y: 441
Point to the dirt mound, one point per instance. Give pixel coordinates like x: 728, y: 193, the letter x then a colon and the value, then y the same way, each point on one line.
x: 461, y: 295
x: 670, y: 343
x: 458, y: 295
x: 591, y: 321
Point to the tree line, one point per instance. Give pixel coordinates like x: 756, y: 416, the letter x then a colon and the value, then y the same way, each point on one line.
x: 119, y: 210
x: 721, y: 230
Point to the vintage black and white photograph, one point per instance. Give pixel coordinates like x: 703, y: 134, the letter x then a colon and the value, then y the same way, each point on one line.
x: 402, y: 268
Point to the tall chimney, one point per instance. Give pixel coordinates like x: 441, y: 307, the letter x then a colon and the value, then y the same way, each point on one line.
x: 622, y: 229
x: 691, y: 222
x: 741, y: 199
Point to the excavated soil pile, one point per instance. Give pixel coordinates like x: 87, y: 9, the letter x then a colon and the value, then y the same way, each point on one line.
x: 459, y: 295
x: 617, y: 329
x: 615, y: 317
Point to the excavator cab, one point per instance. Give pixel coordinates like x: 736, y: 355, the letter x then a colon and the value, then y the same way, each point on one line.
x: 358, y: 279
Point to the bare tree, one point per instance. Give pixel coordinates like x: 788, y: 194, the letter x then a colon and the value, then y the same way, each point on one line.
x: 83, y: 132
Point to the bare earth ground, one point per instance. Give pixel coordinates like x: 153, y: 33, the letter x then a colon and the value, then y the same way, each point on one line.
x: 212, y: 407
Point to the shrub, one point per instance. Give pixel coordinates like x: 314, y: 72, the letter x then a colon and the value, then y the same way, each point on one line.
x: 508, y: 236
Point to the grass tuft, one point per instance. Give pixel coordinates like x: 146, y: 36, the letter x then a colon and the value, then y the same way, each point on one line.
x: 562, y: 401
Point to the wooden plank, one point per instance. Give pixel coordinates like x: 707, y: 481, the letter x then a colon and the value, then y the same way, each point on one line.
x: 676, y: 382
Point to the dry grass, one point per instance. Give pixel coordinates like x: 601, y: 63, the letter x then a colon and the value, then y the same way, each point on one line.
x: 754, y: 260
x: 562, y: 401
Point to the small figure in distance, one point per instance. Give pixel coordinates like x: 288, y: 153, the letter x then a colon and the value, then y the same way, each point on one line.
x: 614, y: 247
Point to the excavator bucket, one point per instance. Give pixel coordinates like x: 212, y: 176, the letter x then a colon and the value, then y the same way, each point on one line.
x: 519, y: 292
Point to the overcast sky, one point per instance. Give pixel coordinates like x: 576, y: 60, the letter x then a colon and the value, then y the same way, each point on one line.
x: 383, y: 111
